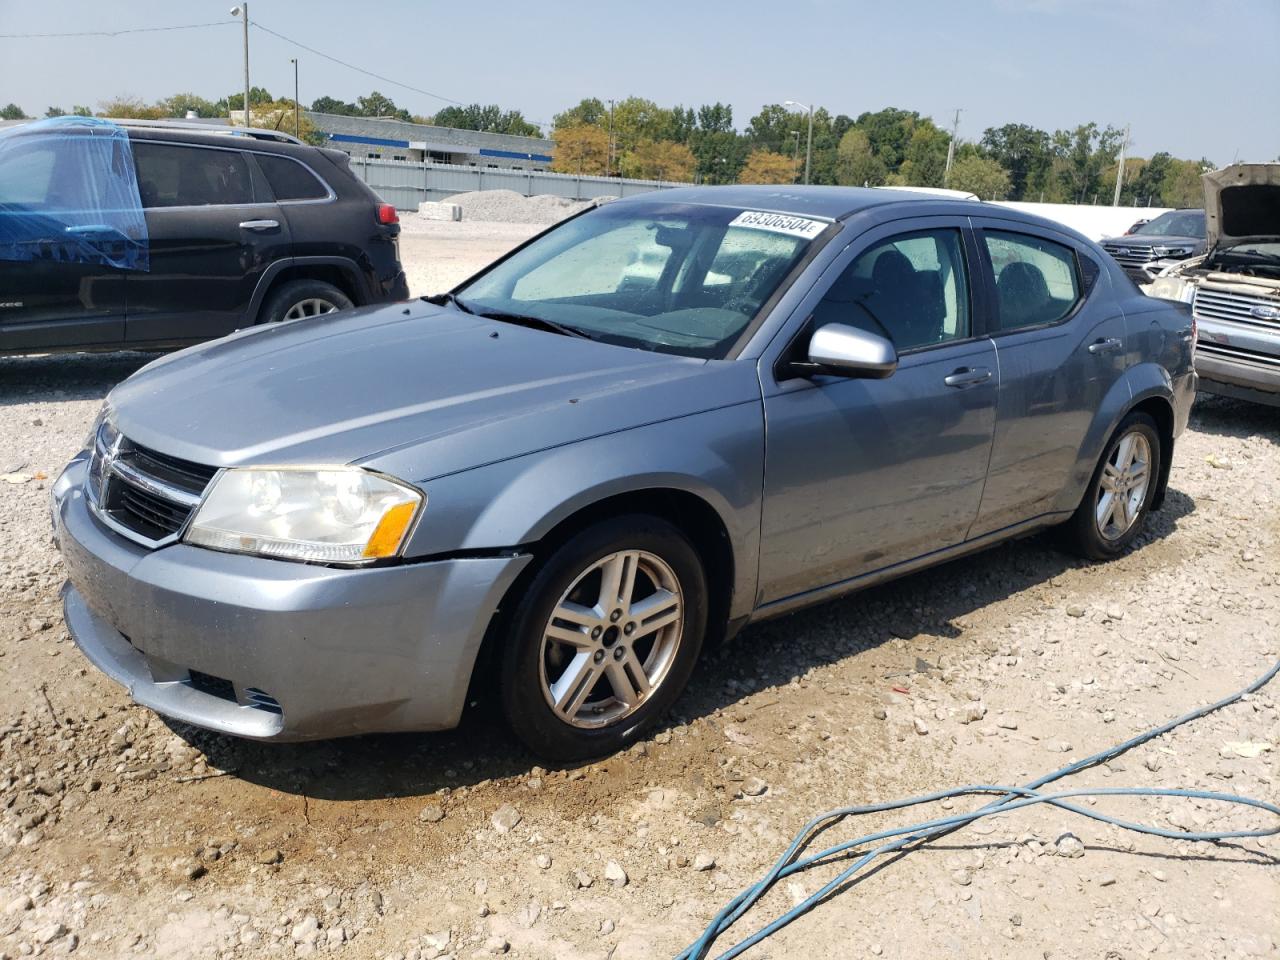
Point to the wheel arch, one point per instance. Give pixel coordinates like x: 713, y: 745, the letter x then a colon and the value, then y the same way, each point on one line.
x: 339, y: 271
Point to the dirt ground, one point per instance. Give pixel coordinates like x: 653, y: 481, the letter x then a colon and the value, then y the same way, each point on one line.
x: 122, y: 835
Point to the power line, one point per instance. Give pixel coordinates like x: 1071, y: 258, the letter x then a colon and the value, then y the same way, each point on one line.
x: 369, y: 73
x: 111, y: 33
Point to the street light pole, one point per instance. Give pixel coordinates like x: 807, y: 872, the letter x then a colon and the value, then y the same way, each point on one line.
x: 951, y: 149
x: 808, y: 152
x: 243, y: 11
x: 795, y: 156
x: 1115, y: 202
x: 297, y: 116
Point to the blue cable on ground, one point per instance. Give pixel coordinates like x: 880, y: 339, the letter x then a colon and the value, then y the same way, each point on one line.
x: 1008, y: 798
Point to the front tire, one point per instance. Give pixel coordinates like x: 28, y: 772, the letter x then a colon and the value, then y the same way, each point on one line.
x: 604, y: 638
x: 1120, y: 492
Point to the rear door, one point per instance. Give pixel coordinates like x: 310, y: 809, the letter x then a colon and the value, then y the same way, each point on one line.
x: 214, y: 230
x: 50, y: 294
x: 1060, y: 339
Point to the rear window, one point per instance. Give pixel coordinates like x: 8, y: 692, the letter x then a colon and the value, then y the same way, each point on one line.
x: 170, y: 175
x: 290, y: 180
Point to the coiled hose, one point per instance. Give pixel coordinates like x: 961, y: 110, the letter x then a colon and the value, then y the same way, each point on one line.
x: 1008, y: 798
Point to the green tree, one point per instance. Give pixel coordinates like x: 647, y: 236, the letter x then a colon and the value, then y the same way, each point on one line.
x: 378, y: 105
x: 1022, y: 150
x: 257, y: 97
x: 79, y: 110
x: 772, y: 127
x: 581, y: 148
x: 856, y: 164
x: 1080, y: 157
x: 1181, y: 186
x: 980, y: 175
x: 659, y: 160
x: 925, y: 161
x: 489, y: 118
x: 591, y: 111
x: 178, y: 105
x: 132, y: 108
x: 339, y: 107
x: 55, y: 112
x: 11, y: 111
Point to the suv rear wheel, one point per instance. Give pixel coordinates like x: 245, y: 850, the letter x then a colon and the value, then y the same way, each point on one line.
x: 298, y: 299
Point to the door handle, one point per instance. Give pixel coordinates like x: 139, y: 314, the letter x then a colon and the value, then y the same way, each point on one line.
x: 259, y: 224
x: 967, y: 377
x: 1109, y: 345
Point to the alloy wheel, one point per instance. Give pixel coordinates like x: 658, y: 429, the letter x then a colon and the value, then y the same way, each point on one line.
x: 311, y: 307
x: 1122, y: 488
x: 611, y: 639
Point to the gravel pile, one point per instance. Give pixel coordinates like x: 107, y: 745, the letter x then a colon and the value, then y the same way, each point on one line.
x: 507, y: 206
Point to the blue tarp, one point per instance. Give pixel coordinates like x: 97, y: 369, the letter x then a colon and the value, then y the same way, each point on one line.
x: 69, y: 193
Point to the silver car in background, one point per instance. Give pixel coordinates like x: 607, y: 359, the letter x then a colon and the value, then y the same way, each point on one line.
x: 649, y: 426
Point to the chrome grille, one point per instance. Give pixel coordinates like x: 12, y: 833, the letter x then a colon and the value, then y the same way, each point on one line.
x: 1237, y: 307
x: 1130, y: 257
x: 141, y: 493
x: 1226, y: 351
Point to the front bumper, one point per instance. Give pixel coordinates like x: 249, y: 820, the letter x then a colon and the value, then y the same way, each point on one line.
x: 1246, y: 377
x: 271, y: 649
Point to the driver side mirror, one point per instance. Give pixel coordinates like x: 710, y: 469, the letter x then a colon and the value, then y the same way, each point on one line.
x: 845, y: 351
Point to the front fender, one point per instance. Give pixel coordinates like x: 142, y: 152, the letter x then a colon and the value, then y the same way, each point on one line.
x: 1139, y: 383
x: 717, y: 456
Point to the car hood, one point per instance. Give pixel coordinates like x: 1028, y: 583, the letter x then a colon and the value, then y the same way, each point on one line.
x: 1150, y: 240
x: 345, y: 388
x: 1242, y: 202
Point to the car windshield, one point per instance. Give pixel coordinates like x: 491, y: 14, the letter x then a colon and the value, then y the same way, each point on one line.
x: 1175, y: 223
x: 671, y: 277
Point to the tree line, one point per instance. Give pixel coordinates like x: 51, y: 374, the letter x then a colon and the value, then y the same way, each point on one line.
x: 636, y: 137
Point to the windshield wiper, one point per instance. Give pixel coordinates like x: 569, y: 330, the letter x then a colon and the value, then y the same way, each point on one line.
x: 538, y: 323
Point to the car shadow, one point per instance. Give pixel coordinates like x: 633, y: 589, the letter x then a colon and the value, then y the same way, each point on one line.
x: 55, y: 377
x: 1226, y: 417
x: 765, y: 656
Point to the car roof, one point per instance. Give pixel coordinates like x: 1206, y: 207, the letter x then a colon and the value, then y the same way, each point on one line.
x: 217, y: 139
x: 842, y: 203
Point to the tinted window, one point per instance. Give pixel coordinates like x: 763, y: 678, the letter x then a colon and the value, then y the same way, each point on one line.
x: 911, y: 288
x: 27, y: 175
x: 289, y: 179
x: 1036, y: 279
x: 176, y: 176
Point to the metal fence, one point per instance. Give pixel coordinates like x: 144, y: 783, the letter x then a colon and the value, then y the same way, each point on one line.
x: 405, y: 183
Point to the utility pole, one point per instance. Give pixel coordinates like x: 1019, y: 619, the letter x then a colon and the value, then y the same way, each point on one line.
x: 608, y: 157
x: 951, y: 148
x: 1115, y: 202
x: 243, y: 11
x: 795, y: 156
x: 297, y: 116
x: 808, y: 153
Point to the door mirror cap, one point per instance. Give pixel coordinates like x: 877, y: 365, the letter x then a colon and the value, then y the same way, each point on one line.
x: 845, y: 351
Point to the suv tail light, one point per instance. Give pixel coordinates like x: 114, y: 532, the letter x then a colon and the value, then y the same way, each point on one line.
x: 387, y: 214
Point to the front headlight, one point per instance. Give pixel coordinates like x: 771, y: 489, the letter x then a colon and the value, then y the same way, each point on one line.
x: 105, y: 415
x: 319, y: 514
x: 1171, y: 252
x: 1171, y: 288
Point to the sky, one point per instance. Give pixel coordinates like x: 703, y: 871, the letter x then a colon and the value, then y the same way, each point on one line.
x: 1196, y: 78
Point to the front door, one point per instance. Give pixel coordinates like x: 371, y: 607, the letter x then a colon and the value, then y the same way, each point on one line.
x: 863, y: 474
x: 214, y: 229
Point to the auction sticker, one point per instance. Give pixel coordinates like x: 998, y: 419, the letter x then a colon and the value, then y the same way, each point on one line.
x: 779, y: 223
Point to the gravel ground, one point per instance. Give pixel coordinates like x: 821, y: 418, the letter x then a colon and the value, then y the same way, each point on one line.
x: 122, y: 835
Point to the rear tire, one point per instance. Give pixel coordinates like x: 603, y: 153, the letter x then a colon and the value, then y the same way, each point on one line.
x: 1120, y: 492
x: 603, y: 639
x: 303, y: 299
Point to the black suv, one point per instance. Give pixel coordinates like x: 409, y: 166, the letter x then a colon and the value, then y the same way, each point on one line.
x: 242, y: 227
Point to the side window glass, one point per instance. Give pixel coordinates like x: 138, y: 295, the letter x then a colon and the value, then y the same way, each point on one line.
x: 290, y: 180
x: 1037, y: 281
x: 26, y: 177
x: 912, y: 288
x: 170, y: 175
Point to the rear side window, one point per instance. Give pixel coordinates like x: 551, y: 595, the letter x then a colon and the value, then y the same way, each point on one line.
x: 171, y: 175
x: 1037, y: 281
x: 290, y: 180
x: 27, y: 175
